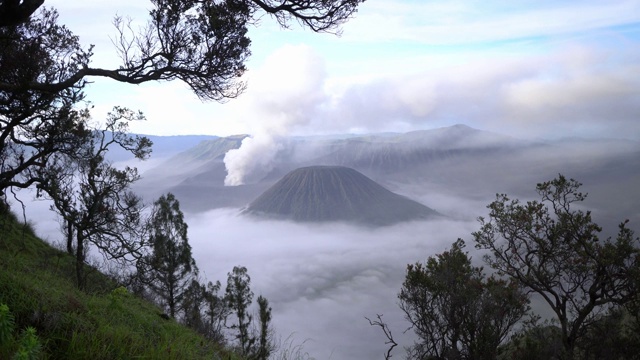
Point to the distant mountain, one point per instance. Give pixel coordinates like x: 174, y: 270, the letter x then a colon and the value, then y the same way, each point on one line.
x: 163, y: 146
x: 450, y: 162
x: 191, y: 173
x: 335, y: 193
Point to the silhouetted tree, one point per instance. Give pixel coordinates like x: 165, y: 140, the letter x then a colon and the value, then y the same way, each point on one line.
x: 193, y: 305
x: 239, y: 297
x: 265, y: 341
x: 36, y: 124
x: 553, y: 250
x: 455, y: 310
x: 254, y: 342
x: 170, y: 268
x: 216, y: 311
x: 93, y: 198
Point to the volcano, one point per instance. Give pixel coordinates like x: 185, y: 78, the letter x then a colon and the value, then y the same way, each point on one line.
x: 335, y: 193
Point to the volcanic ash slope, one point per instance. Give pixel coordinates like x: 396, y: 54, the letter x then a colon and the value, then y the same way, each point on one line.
x: 335, y: 193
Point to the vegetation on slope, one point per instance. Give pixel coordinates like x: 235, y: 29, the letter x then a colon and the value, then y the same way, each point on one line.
x: 103, y: 322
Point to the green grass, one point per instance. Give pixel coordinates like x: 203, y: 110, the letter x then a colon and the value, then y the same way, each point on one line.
x: 102, y: 322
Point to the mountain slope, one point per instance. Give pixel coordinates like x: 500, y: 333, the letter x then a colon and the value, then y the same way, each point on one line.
x: 105, y: 322
x: 335, y: 193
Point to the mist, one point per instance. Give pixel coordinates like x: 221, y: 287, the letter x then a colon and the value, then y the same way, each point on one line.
x: 322, y: 280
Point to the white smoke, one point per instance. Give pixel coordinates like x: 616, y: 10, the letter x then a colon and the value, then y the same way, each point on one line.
x: 284, y: 93
x: 254, y: 156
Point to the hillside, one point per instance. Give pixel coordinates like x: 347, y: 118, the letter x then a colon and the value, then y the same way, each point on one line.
x: 335, y: 193
x: 105, y: 322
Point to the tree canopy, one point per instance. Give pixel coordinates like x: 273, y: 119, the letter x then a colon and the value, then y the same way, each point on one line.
x: 93, y: 198
x: 170, y: 268
x: 456, y: 311
x: 553, y: 250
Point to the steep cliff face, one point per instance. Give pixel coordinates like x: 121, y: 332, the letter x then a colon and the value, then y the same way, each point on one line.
x: 335, y: 193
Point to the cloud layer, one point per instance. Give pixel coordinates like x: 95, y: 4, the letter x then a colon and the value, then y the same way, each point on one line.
x: 322, y: 281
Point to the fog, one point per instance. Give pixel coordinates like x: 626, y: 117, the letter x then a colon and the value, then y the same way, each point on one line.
x: 322, y: 280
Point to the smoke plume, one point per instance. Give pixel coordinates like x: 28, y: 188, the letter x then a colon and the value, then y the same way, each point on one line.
x: 284, y: 93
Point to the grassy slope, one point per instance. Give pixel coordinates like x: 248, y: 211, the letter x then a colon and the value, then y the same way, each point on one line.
x: 36, y: 282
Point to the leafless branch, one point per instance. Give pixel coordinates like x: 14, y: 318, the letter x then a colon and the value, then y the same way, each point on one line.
x: 387, y: 333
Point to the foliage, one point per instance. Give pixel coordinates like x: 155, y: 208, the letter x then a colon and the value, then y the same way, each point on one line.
x: 35, y: 123
x: 537, y: 342
x: 553, y: 250
x: 7, y: 326
x: 252, y: 343
x: 170, y: 268
x: 205, y: 311
x: 104, y: 322
x: 612, y: 336
x: 216, y: 312
x: 239, y: 296
x: 7, y: 323
x: 25, y: 347
x: 265, y: 343
x: 29, y: 347
x: 93, y: 198
x: 455, y: 310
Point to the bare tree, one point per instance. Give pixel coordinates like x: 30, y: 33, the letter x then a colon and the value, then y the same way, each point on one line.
x: 387, y: 333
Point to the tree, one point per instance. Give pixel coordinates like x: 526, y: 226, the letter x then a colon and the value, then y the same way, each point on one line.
x: 192, y: 304
x: 239, y: 296
x: 170, y: 268
x: 93, y: 198
x: 36, y: 124
x: 455, y: 310
x: 216, y: 312
x: 44, y: 69
x: 252, y: 343
x: 265, y: 343
x: 554, y: 251
x: 205, y: 311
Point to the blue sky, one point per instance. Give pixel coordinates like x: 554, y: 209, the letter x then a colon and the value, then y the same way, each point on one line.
x: 544, y: 69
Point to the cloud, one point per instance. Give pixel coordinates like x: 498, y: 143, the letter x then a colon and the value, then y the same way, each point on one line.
x: 406, y: 65
x: 471, y: 22
x: 582, y: 89
x: 322, y: 280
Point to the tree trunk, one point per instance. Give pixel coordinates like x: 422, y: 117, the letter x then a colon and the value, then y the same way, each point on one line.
x: 69, y: 237
x: 80, y: 261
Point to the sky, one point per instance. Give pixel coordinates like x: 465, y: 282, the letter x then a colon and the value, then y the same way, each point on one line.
x: 535, y: 69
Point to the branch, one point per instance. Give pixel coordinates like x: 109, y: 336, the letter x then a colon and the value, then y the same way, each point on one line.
x: 387, y: 334
x: 12, y: 12
x: 319, y: 16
